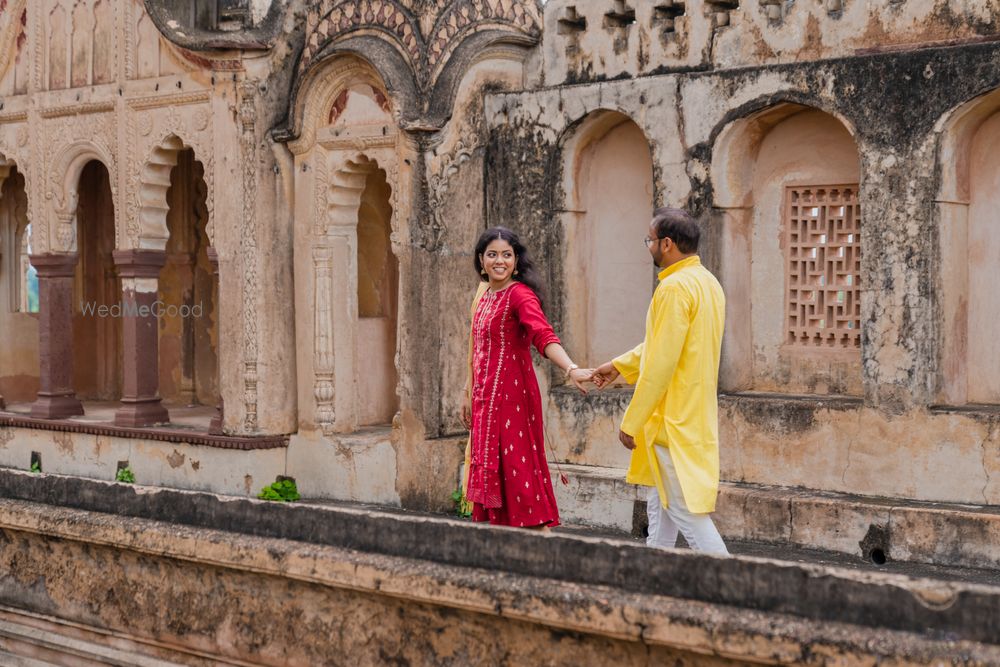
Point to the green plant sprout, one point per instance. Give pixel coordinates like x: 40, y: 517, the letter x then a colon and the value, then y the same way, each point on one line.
x: 36, y: 467
x: 463, y: 508
x: 282, y: 490
x: 125, y: 475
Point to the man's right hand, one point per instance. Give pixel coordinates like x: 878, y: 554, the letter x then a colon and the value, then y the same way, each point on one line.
x: 604, y: 375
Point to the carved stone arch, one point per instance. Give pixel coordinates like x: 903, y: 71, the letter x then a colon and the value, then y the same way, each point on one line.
x: 154, y: 182
x: 392, y: 22
x: 460, y: 19
x: 63, y: 191
x: 351, y: 63
x: 480, y: 44
x: 337, y: 259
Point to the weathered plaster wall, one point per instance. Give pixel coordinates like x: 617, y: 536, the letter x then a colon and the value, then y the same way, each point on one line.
x: 653, y: 38
x: 983, y: 297
x: 894, y: 105
x: 173, y: 464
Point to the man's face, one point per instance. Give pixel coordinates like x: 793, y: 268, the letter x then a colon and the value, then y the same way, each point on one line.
x: 657, y: 247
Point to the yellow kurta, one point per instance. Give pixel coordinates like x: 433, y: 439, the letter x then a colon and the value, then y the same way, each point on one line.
x: 676, y: 373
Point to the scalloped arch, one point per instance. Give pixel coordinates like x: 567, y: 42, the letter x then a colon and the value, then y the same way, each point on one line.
x: 154, y: 182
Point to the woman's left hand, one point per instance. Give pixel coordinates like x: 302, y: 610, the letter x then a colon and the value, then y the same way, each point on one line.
x: 580, y: 376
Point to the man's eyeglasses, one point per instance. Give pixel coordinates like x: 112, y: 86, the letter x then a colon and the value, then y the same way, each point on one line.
x: 648, y: 241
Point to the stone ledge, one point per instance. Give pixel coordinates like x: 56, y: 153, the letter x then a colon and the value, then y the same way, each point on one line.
x: 608, y: 611
x: 935, y: 609
x: 818, y: 401
x: 945, y: 534
x: 159, y: 434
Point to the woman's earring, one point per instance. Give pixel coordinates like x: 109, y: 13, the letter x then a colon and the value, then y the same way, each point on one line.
x: 515, y: 272
x: 483, y: 272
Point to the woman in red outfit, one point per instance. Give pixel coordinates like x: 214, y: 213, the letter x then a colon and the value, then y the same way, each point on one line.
x: 508, y: 478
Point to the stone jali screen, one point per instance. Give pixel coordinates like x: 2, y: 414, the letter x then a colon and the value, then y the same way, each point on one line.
x: 823, y: 247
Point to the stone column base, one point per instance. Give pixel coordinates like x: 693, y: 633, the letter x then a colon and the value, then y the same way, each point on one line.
x: 56, y: 406
x: 215, y: 426
x: 139, y: 413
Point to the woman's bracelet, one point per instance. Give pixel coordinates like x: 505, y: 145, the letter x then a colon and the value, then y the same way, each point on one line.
x: 570, y: 369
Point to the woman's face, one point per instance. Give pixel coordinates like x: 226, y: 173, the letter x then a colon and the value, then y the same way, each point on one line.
x: 499, y: 261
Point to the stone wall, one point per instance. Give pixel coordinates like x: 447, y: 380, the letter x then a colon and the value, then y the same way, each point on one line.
x: 541, y: 119
x: 290, y: 585
x: 715, y: 145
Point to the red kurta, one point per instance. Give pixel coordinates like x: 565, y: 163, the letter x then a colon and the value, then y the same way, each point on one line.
x: 509, y: 481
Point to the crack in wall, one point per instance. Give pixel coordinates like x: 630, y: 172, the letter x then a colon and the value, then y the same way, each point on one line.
x: 990, y: 435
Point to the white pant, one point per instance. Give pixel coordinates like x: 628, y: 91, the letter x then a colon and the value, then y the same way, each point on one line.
x: 698, y: 529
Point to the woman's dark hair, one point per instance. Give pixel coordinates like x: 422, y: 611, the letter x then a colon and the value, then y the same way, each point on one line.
x: 526, y: 272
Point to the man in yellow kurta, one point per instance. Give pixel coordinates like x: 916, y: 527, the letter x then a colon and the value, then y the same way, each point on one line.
x: 671, y: 424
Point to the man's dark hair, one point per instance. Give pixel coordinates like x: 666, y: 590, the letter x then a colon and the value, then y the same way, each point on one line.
x: 678, y: 226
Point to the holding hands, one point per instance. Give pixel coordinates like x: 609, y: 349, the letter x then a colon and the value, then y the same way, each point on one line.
x: 601, y: 377
x: 604, y: 375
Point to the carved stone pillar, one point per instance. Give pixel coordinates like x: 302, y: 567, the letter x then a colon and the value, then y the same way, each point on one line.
x: 139, y: 271
x: 56, y: 396
x: 323, y: 354
x: 215, y: 427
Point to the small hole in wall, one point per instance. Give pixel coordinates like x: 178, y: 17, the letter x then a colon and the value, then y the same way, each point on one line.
x: 878, y: 556
x: 121, y: 466
x: 36, y: 462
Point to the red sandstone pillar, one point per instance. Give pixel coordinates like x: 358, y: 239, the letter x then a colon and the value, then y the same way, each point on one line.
x: 215, y: 427
x: 56, y: 397
x: 139, y: 271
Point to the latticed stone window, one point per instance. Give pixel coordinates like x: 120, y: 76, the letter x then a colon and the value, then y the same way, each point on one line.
x: 823, y: 247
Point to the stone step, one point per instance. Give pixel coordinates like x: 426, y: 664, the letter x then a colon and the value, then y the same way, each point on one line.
x: 32, y: 640
x: 876, y: 529
x: 12, y: 660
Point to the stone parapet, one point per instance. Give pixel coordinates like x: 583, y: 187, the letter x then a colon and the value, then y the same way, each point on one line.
x: 432, y: 591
